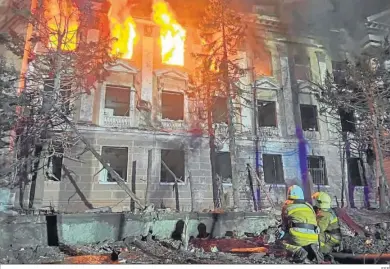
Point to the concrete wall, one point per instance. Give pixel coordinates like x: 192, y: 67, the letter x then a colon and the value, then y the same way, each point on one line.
x: 73, y: 229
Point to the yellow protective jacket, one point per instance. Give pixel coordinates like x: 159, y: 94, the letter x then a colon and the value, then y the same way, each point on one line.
x: 295, y: 212
x: 328, y: 222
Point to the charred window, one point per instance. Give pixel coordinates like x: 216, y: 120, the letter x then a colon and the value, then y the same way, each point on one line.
x: 262, y: 63
x: 61, y: 99
x: 355, y: 172
x: 117, y: 101
x: 309, y: 117
x: 339, y: 72
x: 223, y: 166
x: 220, y: 110
x: 266, y: 114
x: 273, y: 169
x: 175, y: 161
x: 302, y: 67
x: 55, y: 161
x: 347, y: 119
x: 172, y: 106
x: 117, y: 158
x: 317, y: 169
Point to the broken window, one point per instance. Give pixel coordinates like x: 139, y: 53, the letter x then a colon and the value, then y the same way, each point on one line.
x: 262, y: 63
x: 220, y: 110
x: 339, y: 72
x: 223, y: 166
x: 266, y: 113
x: 347, y: 119
x: 317, y: 169
x: 62, y: 99
x: 309, y: 117
x: 172, y: 106
x: 117, y: 158
x: 273, y: 169
x: 302, y: 67
x: 355, y: 172
x: 117, y: 101
x: 175, y: 161
x: 54, y: 163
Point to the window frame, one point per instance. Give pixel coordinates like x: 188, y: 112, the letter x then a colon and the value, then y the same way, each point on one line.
x: 110, y: 85
x: 103, y: 173
x: 283, y: 182
x: 363, y: 183
x: 217, y: 166
x: 325, y: 172
x: 214, y: 108
x: 183, y: 105
x: 258, y: 113
x: 184, y: 179
x: 317, y: 127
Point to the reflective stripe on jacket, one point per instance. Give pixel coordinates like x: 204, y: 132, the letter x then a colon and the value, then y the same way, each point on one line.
x: 328, y: 222
x: 294, y: 212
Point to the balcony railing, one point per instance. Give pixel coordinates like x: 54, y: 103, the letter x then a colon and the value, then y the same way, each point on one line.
x: 268, y: 131
x: 173, y: 124
x: 117, y: 121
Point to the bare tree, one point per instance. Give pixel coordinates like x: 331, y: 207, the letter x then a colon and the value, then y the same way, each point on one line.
x: 362, y: 89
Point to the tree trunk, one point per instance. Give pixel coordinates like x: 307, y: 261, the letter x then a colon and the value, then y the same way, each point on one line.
x: 148, y: 178
x: 230, y: 105
x: 192, y: 191
x: 344, y: 181
x: 109, y: 169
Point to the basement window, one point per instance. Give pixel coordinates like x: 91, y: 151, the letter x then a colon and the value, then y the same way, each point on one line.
x: 317, y: 169
x: 175, y: 161
x: 223, y: 166
x: 117, y: 158
x: 55, y: 162
x: 62, y: 99
x: 309, y: 117
x: 117, y: 101
x: 220, y: 110
x: 302, y: 67
x: 355, y: 172
x: 266, y: 113
x: 273, y: 169
x: 172, y: 106
x: 347, y: 119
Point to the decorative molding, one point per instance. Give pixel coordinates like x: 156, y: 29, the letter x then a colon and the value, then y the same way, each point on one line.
x: 267, y: 83
x: 121, y: 66
x: 171, y: 73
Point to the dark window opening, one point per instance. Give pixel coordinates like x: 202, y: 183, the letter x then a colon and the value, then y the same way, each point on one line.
x: 117, y: 159
x: 339, y: 72
x: 355, y: 172
x: 55, y: 162
x: 117, y: 101
x: 266, y: 10
x: 273, y: 169
x: 309, y: 117
x: 266, y: 114
x: 220, y: 110
x: 302, y: 69
x: 347, y: 119
x: 223, y: 166
x: 63, y: 99
x: 175, y: 161
x: 172, y: 106
x: 317, y: 169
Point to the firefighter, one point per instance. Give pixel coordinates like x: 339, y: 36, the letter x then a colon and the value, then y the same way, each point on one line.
x: 299, y: 226
x: 328, y: 223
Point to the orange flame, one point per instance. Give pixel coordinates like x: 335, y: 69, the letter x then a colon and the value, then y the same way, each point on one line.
x: 62, y: 18
x: 172, y: 35
x: 122, y: 28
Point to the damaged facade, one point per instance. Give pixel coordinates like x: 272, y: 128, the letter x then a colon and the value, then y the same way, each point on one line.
x: 142, y: 110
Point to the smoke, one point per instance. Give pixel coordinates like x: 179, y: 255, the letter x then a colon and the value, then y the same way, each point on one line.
x: 335, y: 21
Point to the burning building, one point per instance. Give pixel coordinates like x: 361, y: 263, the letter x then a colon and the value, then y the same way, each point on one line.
x: 140, y: 116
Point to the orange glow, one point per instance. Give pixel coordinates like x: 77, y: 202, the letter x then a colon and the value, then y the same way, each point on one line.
x: 172, y: 35
x: 62, y: 18
x: 122, y: 28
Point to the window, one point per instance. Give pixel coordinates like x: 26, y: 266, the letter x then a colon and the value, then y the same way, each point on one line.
x: 223, y: 166
x: 175, y: 161
x: 317, y: 170
x: 117, y: 101
x: 266, y: 114
x: 262, y: 63
x: 63, y: 99
x: 117, y: 158
x: 309, y: 117
x: 267, y: 10
x: 355, y: 172
x: 172, y: 106
x: 54, y: 164
x: 347, y: 119
x: 273, y: 169
x: 220, y: 110
x: 339, y: 72
x: 302, y: 67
